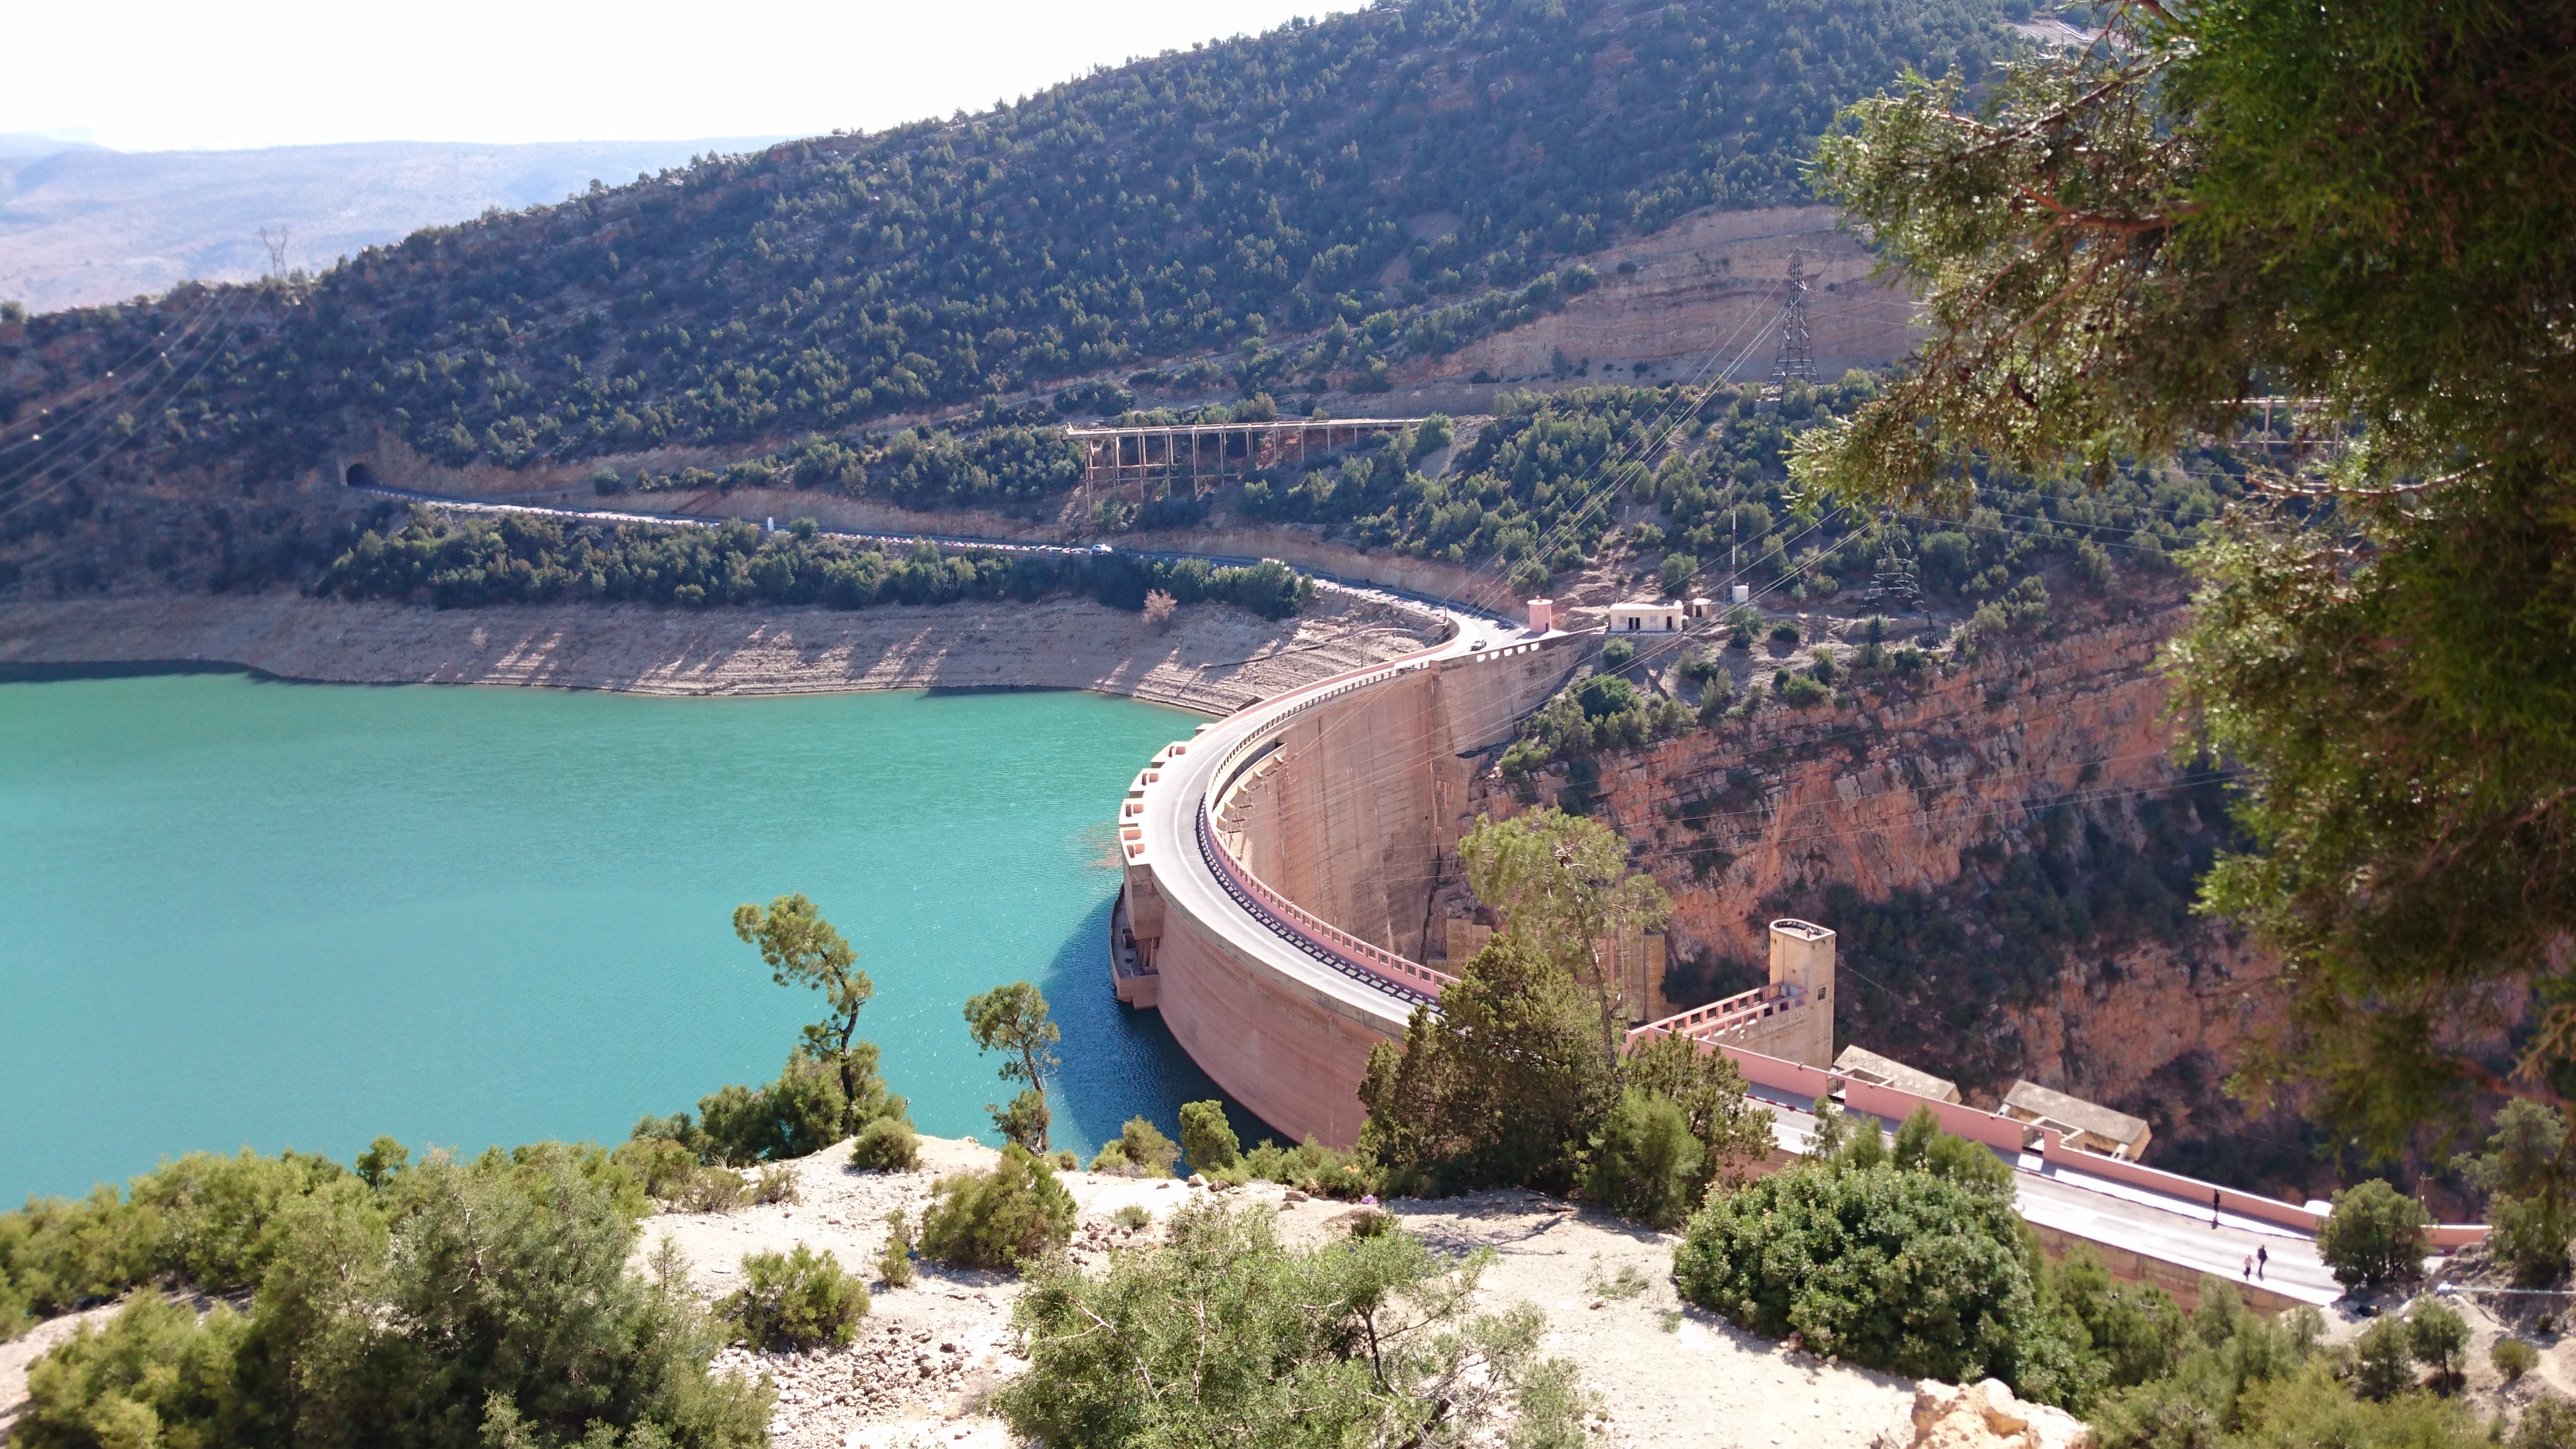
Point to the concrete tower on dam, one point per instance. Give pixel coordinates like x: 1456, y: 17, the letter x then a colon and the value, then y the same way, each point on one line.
x: 1281, y: 870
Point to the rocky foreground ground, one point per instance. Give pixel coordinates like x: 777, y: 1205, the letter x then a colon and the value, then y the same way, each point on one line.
x: 1666, y: 1374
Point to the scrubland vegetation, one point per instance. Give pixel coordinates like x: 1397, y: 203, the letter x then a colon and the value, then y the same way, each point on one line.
x: 459, y: 561
x: 1383, y: 184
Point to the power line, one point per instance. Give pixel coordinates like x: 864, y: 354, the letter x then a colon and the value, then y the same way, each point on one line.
x: 28, y: 490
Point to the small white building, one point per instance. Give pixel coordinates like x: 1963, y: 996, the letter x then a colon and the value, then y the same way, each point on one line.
x: 1699, y: 609
x: 1645, y: 616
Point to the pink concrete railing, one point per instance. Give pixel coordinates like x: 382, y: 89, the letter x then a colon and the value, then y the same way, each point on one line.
x: 1959, y: 1120
x: 2056, y: 1153
x: 1365, y: 956
x: 1706, y: 1022
x: 2244, y: 1204
x: 1797, y: 1079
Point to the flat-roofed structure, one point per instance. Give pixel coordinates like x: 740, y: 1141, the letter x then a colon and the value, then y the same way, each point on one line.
x: 1861, y: 1064
x: 2089, y: 1126
x: 1645, y: 616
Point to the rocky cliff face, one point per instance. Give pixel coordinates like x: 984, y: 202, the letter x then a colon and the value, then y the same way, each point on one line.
x: 2007, y: 849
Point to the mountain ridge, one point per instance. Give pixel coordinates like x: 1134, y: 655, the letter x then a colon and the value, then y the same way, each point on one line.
x: 85, y: 225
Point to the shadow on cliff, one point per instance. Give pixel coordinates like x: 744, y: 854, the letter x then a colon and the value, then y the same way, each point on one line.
x: 1119, y: 1061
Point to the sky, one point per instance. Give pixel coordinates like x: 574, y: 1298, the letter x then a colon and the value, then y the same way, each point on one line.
x: 191, y: 76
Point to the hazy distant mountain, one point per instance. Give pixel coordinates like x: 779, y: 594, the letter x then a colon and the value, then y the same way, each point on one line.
x: 82, y: 224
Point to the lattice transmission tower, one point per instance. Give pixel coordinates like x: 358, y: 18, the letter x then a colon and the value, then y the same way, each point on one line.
x: 1797, y: 346
x: 276, y: 250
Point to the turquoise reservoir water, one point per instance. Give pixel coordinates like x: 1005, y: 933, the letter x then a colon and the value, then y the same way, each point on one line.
x: 238, y: 911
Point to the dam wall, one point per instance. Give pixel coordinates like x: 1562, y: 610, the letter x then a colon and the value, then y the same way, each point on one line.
x: 1279, y: 869
x: 1357, y: 813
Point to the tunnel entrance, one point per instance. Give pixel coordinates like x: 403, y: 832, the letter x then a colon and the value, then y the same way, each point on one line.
x: 360, y: 476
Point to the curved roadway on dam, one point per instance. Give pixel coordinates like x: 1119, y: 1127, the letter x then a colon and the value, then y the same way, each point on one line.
x: 1257, y: 931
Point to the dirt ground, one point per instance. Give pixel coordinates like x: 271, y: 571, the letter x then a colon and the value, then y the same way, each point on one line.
x: 1666, y: 1374
x: 1212, y: 657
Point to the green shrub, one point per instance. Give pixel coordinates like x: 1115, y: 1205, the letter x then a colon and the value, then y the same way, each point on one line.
x: 384, y: 1160
x: 2383, y: 1359
x: 2138, y: 1333
x: 1905, y: 1271
x: 2236, y: 1379
x: 1678, y: 571
x: 2436, y: 1335
x: 798, y: 1114
x: 2513, y: 1358
x: 1785, y: 632
x: 409, y: 1307
x: 1140, y: 1151
x: 887, y: 1144
x: 661, y: 1166
x: 1618, y: 654
x: 1314, y: 1169
x: 1921, y: 1146
x: 711, y: 1190
x: 2374, y: 1236
x: 2550, y: 1423
x: 1013, y: 1214
x: 202, y: 1218
x: 1735, y: 1133
x: 152, y: 1376
x: 1645, y: 1163
x: 795, y: 1300
x: 1497, y: 1087
x: 894, y: 1260
x: 216, y: 1210
x: 1800, y: 691
x: 776, y: 1184
x: 1131, y: 1216
x: 1360, y: 1341
x: 2526, y: 1177
x: 1207, y: 1139
x: 1604, y: 696
x: 55, y: 1252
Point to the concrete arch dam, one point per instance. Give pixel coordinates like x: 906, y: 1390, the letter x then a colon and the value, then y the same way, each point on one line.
x: 1279, y: 866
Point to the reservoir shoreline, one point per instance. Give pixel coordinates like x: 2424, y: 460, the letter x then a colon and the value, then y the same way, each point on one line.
x: 1210, y: 658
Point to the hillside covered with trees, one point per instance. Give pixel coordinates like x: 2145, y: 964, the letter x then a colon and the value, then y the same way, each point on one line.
x: 1269, y: 212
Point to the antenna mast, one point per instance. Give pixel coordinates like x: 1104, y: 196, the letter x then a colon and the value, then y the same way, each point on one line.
x: 1797, y: 348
